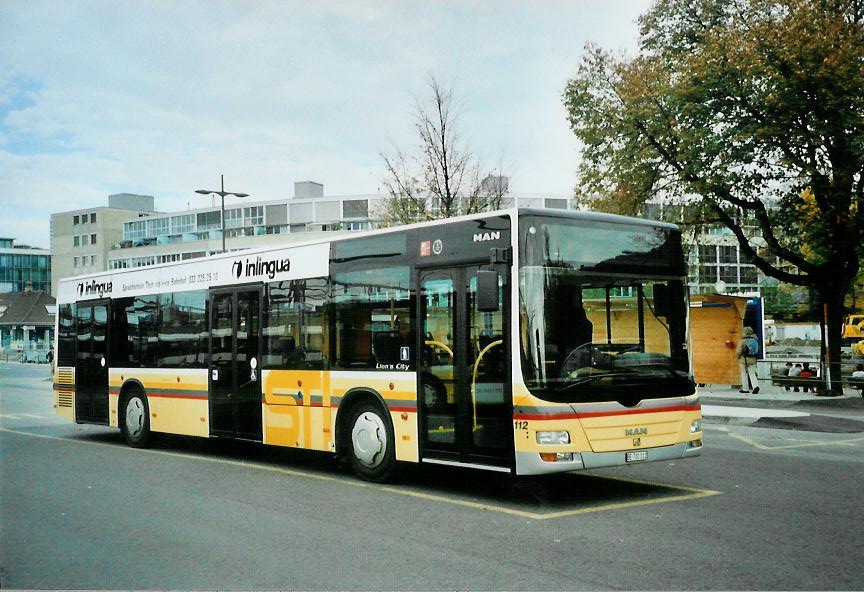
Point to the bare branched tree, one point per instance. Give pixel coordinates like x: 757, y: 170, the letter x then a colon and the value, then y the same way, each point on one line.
x: 442, y: 179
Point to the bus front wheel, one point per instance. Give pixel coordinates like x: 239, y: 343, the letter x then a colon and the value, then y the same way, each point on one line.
x: 372, y: 445
x: 136, y: 420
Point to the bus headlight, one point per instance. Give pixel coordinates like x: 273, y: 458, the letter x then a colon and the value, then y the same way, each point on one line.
x: 695, y: 426
x: 561, y: 437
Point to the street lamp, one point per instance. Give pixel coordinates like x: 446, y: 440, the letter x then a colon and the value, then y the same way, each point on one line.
x: 221, y: 194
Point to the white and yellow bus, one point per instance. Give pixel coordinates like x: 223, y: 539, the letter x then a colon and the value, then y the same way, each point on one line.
x: 522, y: 341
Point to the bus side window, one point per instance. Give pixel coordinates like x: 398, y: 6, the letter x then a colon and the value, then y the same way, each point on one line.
x: 281, y: 327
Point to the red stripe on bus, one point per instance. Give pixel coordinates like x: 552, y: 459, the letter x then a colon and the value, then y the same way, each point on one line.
x: 395, y: 409
x: 176, y: 396
x: 165, y: 395
x: 602, y: 413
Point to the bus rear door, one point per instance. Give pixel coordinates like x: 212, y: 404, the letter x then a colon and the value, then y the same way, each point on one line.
x: 92, y: 361
x: 234, y: 381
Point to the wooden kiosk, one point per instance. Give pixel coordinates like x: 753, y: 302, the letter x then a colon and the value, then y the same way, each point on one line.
x: 716, y: 325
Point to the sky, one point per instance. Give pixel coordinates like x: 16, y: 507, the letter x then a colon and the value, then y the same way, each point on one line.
x: 161, y: 97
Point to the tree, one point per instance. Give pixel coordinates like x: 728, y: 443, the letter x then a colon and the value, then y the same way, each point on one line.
x: 442, y: 178
x: 755, y: 110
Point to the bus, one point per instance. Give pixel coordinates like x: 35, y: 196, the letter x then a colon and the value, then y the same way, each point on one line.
x: 522, y: 341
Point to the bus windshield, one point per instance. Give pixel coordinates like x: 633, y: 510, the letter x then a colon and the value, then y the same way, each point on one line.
x: 592, y: 328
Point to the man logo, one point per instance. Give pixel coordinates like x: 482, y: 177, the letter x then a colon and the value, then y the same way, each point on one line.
x: 486, y: 236
x: 636, y: 432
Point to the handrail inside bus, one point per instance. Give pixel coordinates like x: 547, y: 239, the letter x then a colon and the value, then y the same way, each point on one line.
x: 443, y: 346
x: 474, y: 375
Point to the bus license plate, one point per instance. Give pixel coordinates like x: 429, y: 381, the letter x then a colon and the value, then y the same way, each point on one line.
x: 636, y: 456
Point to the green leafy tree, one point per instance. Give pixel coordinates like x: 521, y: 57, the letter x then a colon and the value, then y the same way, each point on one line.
x: 752, y: 109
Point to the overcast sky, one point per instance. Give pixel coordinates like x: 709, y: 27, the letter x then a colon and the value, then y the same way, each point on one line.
x: 159, y: 98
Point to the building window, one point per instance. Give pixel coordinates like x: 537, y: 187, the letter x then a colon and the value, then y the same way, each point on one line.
x: 157, y: 227
x: 355, y: 208
x: 254, y: 215
x: 76, y: 261
x: 707, y: 254
x: 234, y: 218
x: 182, y: 224
x: 76, y: 241
x: 93, y: 218
x: 707, y: 275
x: 92, y: 239
x: 748, y: 274
x: 729, y: 274
x: 92, y: 259
x: 209, y: 221
x: 85, y: 239
x: 75, y: 220
x: 728, y: 254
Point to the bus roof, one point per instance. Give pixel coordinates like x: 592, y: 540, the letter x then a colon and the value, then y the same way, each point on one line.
x: 517, y: 212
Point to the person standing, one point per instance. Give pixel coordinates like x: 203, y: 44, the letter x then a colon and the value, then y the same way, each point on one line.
x: 747, y: 350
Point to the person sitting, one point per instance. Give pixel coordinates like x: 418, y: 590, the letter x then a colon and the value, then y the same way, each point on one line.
x: 858, y: 378
x: 807, y: 372
x: 786, y: 370
x: 794, y: 372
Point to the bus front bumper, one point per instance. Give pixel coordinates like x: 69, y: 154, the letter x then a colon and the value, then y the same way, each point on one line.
x: 530, y: 463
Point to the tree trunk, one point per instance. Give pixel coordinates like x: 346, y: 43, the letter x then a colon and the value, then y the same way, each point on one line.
x: 832, y: 298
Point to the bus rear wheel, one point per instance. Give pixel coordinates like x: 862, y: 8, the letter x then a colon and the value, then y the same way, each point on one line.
x: 371, y: 443
x: 136, y: 419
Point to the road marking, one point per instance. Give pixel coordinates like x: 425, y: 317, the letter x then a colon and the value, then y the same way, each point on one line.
x: 689, y: 493
x: 21, y: 416
x: 805, y: 444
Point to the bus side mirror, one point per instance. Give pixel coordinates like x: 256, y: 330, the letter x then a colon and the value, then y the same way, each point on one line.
x: 487, y: 290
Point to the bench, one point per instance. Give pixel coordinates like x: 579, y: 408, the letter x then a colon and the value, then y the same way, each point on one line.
x: 807, y: 382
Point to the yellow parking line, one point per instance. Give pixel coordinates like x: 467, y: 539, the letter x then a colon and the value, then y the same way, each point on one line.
x: 808, y: 444
x: 689, y: 492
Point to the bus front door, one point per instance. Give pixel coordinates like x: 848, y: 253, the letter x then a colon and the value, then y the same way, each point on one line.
x: 91, y: 362
x: 464, y: 371
x: 234, y: 381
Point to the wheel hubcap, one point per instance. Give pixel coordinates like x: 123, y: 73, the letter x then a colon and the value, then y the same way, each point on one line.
x: 369, y: 438
x: 135, y: 417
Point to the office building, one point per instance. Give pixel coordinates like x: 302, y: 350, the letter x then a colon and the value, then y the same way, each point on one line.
x: 23, y: 267
x: 82, y: 239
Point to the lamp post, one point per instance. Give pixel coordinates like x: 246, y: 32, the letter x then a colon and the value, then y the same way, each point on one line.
x: 222, y: 193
